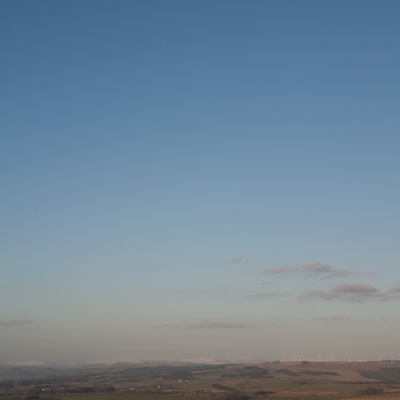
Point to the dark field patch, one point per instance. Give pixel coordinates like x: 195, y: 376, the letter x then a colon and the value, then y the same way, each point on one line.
x: 319, y: 373
x: 388, y: 375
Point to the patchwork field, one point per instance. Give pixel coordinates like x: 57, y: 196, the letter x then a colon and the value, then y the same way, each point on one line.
x: 289, y: 380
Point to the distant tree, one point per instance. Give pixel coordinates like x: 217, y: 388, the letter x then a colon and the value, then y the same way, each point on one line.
x: 32, y: 398
x: 371, y: 391
x: 180, y: 375
x: 234, y: 395
x: 263, y: 393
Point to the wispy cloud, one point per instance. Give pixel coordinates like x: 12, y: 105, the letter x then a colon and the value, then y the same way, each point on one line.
x: 355, y: 292
x: 220, y: 325
x: 15, y: 322
x: 177, y: 325
x: 393, y: 293
x: 312, y: 269
x: 315, y: 268
x: 28, y: 364
x: 264, y: 295
x: 278, y: 271
x: 336, y: 317
x: 318, y: 268
x: 235, y: 260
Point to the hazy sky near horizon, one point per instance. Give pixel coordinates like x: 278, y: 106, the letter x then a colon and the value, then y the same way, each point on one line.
x: 199, y: 179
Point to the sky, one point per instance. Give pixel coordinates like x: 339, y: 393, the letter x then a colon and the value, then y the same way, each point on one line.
x: 198, y: 180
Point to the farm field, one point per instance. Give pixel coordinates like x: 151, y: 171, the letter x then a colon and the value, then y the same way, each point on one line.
x: 279, y: 380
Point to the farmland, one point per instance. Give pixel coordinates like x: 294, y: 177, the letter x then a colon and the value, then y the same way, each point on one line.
x: 289, y: 380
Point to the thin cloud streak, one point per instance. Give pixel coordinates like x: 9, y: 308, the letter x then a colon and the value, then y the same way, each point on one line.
x: 265, y: 295
x: 393, y: 293
x: 278, y: 271
x: 220, y: 325
x: 315, y: 268
x: 353, y: 292
x: 310, y: 270
x: 336, y: 317
x: 235, y: 260
x: 15, y: 322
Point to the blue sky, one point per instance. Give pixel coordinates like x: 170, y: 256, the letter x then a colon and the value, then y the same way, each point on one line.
x: 199, y: 179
